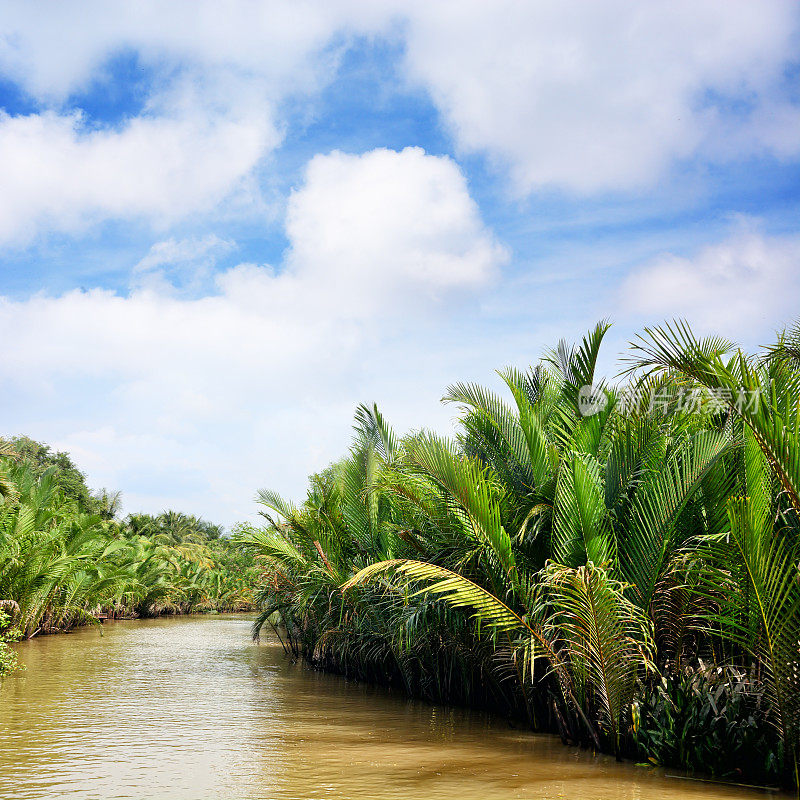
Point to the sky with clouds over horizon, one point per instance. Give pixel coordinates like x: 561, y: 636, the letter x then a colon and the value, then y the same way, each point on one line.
x: 225, y: 225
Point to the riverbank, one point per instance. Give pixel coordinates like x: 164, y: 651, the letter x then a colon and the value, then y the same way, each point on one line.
x: 617, y: 566
x: 67, y: 558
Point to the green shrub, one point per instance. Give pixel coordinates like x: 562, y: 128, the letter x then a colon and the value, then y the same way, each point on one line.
x: 716, y: 722
x: 8, y: 658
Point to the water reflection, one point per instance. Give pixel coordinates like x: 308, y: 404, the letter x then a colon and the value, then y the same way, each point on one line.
x: 189, y: 708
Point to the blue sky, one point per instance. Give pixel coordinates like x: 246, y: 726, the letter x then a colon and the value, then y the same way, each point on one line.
x: 224, y: 227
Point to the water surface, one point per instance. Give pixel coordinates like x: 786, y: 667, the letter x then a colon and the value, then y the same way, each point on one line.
x: 190, y: 709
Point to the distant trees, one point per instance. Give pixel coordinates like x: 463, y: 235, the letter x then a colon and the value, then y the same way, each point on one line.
x: 174, y: 527
x: 67, y: 478
x: 65, y: 559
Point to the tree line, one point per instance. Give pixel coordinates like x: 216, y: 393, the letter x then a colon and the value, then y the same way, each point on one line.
x: 67, y: 560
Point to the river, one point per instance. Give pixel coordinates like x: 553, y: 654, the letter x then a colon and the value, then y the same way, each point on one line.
x: 188, y: 708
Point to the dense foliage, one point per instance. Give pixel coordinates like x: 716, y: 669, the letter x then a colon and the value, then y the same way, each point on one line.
x: 68, y: 479
x: 8, y: 658
x: 65, y: 560
x: 617, y: 564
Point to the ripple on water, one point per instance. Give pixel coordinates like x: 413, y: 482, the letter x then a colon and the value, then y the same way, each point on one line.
x: 190, y: 709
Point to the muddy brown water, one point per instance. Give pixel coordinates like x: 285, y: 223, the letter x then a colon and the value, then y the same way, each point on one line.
x: 189, y: 708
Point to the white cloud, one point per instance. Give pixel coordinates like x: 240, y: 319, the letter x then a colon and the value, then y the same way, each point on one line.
x: 576, y: 95
x: 747, y: 283
x: 185, y: 264
x: 277, y: 41
x: 255, y: 382
x: 59, y: 177
x: 174, y: 251
x: 387, y: 224
x: 214, y: 76
x: 592, y: 96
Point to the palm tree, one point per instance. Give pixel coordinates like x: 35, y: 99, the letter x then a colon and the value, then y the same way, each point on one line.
x: 558, y: 556
x: 761, y: 549
x: 61, y: 567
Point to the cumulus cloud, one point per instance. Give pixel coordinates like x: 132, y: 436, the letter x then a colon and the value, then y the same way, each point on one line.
x: 213, y: 78
x: 275, y: 43
x: 246, y: 374
x: 574, y: 95
x: 388, y: 224
x: 747, y: 283
x: 58, y: 176
x: 589, y: 96
x: 182, y: 251
x: 272, y: 357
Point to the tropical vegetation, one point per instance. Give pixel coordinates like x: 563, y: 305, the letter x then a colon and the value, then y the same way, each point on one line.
x: 614, y: 563
x: 66, y: 560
